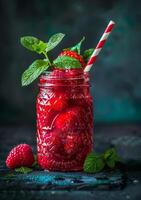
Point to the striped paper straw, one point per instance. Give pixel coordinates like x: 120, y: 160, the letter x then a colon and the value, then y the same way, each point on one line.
x: 99, y: 46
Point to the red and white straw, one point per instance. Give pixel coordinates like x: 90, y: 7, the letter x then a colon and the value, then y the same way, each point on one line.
x: 99, y: 46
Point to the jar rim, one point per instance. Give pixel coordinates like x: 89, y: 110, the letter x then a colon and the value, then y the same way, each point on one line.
x: 79, y: 71
x: 63, y: 77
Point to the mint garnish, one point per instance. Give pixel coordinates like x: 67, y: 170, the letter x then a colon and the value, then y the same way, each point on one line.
x: 87, y: 54
x: 93, y: 163
x: 63, y: 62
x: 23, y: 170
x: 111, y: 157
x: 67, y: 62
x: 96, y: 162
x: 34, y: 70
x: 77, y: 47
x: 40, y: 47
x: 33, y: 44
x: 54, y: 41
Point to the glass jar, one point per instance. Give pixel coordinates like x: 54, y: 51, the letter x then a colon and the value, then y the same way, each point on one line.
x: 64, y: 120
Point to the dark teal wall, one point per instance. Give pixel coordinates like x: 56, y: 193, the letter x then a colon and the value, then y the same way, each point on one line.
x: 116, y: 81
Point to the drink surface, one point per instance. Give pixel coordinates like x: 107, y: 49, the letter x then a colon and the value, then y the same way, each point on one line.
x: 64, y: 120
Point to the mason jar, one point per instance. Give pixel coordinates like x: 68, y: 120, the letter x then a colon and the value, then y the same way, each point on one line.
x: 64, y: 120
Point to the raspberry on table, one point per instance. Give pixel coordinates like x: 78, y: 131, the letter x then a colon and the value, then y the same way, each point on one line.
x: 20, y: 156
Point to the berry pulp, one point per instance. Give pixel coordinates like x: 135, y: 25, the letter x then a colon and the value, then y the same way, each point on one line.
x: 64, y: 120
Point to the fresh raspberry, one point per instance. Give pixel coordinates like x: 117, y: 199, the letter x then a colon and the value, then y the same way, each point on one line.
x: 71, y: 119
x: 75, y: 55
x: 19, y: 156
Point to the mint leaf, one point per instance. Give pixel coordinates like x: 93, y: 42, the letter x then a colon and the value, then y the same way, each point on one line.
x: 23, y: 170
x: 111, y: 163
x: 77, y: 47
x: 66, y: 62
x: 40, y: 48
x: 34, y: 70
x: 111, y: 157
x: 93, y: 163
x: 29, y: 42
x: 33, y: 44
x: 96, y: 162
x: 54, y: 41
x: 87, y: 54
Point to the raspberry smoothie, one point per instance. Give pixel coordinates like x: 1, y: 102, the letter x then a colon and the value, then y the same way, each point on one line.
x: 64, y: 120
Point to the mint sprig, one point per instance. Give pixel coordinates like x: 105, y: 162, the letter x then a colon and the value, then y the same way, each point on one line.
x: 63, y: 62
x: 33, y: 44
x: 34, y: 70
x: 23, y: 170
x: 111, y: 157
x: 54, y: 41
x: 93, y: 163
x: 96, y: 162
x: 67, y: 62
x: 77, y: 47
x: 40, y: 47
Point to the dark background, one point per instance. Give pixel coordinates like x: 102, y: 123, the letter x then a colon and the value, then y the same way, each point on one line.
x: 115, y: 80
x: 116, y: 76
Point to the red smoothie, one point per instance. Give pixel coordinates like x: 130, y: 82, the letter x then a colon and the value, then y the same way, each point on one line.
x: 64, y: 120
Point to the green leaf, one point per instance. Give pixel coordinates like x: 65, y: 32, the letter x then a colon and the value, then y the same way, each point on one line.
x: 54, y: 41
x: 111, y: 157
x: 87, y: 54
x: 77, y: 47
x: 23, y: 170
x: 111, y: 154
x: 40, y: 48
x: 66, y: 62
x: 33, y: 44
x: 111, y: 163
x: 29, y: 42
x: 93, y: 163
x: 34, y: 70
